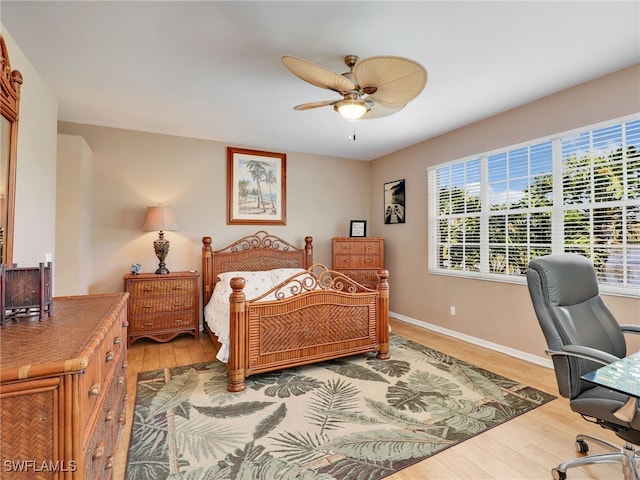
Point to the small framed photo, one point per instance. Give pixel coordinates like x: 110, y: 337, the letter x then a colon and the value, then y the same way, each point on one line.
x: 394, y: 209
x: 358, y: 228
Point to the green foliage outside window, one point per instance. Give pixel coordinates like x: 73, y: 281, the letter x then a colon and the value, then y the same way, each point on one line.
x: 599, y: 203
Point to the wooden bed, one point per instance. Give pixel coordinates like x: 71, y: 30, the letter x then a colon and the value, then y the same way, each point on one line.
x: 328, y: 317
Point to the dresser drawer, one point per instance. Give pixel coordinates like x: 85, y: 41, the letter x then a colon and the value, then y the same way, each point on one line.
x: 357, y: 261
x: 358, y: 247
x: 368, y: 278
x: 162, y: 321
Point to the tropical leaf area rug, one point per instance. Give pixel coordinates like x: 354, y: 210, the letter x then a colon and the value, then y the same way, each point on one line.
x: 355, y: 418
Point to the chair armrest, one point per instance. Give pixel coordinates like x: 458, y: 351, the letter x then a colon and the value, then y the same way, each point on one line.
x: 635, y: 329
x: 587, y: 353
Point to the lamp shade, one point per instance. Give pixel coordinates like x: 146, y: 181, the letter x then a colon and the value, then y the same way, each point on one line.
x: 159, y: 218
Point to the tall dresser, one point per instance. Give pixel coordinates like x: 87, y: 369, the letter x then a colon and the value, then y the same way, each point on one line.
x: 162, y: 306
x: 359, y: 258
x: 63, y: 390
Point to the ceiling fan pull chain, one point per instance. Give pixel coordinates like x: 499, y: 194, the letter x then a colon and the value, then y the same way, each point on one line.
x: 352, y: 137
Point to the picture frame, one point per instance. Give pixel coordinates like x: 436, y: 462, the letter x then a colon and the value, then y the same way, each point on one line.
x: 256, y: 187
x: 358, y: 228
x: 394, y: 202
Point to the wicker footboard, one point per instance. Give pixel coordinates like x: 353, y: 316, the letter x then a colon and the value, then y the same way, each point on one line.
x: 312, y: 326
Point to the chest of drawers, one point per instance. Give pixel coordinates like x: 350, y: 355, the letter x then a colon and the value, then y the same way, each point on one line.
x: 63, y: 390
x: 161, y: 307
x: 359, y: 258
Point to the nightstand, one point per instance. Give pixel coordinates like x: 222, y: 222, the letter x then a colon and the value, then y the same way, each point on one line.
x: 161, y: 307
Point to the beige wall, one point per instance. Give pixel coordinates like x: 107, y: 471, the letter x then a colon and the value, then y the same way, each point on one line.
x: 35, y: 214
x: 73, y: 272
x: 133, y: 170
x: 491, y: 312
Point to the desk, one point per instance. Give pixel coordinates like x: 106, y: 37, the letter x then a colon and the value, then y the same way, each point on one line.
x: 622, y: 376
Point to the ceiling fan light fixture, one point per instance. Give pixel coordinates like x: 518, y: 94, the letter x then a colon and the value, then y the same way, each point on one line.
x: 351, y: 109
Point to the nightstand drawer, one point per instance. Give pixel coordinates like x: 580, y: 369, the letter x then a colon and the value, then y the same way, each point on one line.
x: 164, y: 321
x: 154, y: 288
x: 144, y: 306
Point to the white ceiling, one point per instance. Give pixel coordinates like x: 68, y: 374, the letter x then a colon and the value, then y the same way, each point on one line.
x: 212, y: 69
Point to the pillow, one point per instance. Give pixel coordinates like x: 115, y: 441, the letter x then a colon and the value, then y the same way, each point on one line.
x: 279, y: 275
x: 256, y: 283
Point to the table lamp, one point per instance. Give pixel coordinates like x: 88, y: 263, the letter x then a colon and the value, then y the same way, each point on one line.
x: 160, y: 218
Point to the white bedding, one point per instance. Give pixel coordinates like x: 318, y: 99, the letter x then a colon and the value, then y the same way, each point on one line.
x: 216, y: 312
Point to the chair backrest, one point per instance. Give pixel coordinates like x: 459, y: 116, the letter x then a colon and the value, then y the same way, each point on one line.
x: 566, y: 298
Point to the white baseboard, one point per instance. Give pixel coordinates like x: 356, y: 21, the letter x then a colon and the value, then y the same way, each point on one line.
x: 542, y: 361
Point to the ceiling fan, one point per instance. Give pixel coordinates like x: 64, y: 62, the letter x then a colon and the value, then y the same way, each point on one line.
x: 373, y: 87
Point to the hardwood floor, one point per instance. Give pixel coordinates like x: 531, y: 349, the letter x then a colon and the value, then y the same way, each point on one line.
x: 526, y: 447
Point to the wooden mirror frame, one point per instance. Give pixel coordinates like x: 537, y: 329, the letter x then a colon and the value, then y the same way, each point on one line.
x: 10, y: 84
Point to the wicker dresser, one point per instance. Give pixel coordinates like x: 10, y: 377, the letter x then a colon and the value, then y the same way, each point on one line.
x: 63, y: 390
x: 162, y: 307
x: 359, y: 258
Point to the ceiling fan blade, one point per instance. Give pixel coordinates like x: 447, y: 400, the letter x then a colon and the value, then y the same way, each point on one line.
x: 309, y: 106
x: 317, y: 75
x: 379, y: 109
x: 397, y: 80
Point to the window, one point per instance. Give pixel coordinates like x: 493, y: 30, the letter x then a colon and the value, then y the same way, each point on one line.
x: 577, y: 192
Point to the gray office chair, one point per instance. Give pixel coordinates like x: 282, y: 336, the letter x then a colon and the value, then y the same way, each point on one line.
x: 582, y: 335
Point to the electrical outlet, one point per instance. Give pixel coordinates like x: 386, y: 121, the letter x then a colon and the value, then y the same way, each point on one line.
x: 452, y: 311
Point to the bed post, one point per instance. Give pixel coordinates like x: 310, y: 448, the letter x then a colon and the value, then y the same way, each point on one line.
x: 237, y: 337
x: 383, y: 315
x: 207, y: 270
x: 308, y: 252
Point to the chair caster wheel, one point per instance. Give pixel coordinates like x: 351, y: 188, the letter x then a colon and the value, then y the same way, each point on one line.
x: 558, y: 475
x: 582, y: 446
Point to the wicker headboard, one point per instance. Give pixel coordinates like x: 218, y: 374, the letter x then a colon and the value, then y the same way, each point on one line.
x: 260, y: 251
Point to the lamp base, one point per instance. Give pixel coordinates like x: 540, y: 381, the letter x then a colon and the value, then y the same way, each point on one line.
x: 161, y: 247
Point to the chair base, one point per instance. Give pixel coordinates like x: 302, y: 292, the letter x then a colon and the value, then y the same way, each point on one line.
x: 626, y: 455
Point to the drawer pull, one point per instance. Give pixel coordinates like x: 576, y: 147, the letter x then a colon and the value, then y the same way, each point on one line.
x: 120, y: 380
x: 178, y: 304
x: 117, y: 341
x: 147, y: 289
x: 109, y: 356
x: 125, y: 365
x: 178, y: 287
x: 147, y: 306
x: 178, y: 322
x: 147, y: 324
x: 99, y: 451
x: 122, y: 418
x: 109, y: 463
x: 125, y: 324
x: 108, y: 416
x: 94, y: 390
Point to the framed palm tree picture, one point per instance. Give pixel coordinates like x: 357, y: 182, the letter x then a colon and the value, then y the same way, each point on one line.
x: 256, y: 187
